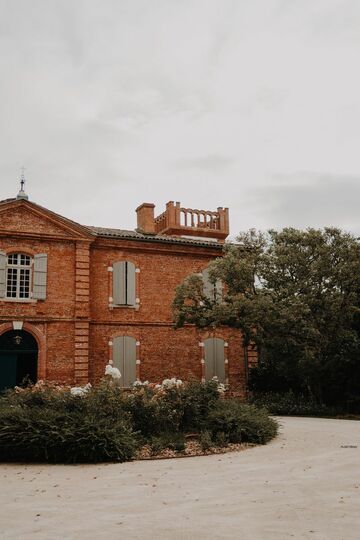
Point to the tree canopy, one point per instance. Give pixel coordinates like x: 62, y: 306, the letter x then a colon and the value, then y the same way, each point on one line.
x: 295, y: 296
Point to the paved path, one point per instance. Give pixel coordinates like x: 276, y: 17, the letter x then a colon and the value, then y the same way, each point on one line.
x: 302, y: 485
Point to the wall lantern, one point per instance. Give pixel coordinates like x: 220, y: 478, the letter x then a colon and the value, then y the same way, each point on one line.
x: 17, y: 340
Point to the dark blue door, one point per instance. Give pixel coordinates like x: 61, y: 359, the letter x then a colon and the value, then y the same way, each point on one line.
x: 8, y: 368
x: 18, y: 359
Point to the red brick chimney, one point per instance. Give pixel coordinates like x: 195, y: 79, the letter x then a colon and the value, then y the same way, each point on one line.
x: 145, y: 218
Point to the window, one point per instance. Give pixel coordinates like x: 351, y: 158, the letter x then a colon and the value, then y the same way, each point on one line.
x: 124, y: 358
x: 214, y: 359
x: 124, y: 283
x: 18, y: 276
x: 23, y: 277
x: 212, y: 291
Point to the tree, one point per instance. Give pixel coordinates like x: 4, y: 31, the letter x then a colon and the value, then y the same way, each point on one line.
x: 294, y: 295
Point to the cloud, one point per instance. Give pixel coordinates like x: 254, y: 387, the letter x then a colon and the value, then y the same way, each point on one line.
x: 207, y: 164
x: 213, y: 103
x: 310, y: 200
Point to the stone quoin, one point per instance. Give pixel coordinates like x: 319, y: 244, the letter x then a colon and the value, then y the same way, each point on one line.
x: 74, y: 297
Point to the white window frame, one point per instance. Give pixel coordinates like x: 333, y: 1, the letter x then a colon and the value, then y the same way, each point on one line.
x: 18, y: 266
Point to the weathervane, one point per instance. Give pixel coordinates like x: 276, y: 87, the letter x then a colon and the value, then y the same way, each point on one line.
x: 22, y: 178
x: 22, y: 194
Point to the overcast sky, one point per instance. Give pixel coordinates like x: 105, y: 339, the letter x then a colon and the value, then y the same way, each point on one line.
x: 250, y: 104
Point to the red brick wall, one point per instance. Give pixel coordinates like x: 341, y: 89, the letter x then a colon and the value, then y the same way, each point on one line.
x: 60, y: 351
x: 160, y: 271
x: 165, y: 352
x: 60, y: 301
x: 78, y: 290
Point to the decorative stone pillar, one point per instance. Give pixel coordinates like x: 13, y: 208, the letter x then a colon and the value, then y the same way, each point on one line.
x: 82, y: 312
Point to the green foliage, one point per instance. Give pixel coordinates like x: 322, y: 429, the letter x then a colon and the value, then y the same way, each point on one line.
x: 48, y: 423
x: 198, y: 400
x: 171, y: 410
x: 290, y: 404
x: 172, y: 441
x: 205, y: 440
x: 235, y: 422
x: 295, y: 296
x: 54, y: 426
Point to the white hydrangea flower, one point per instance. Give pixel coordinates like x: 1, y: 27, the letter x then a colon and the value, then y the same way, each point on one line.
x: 139, y: 383
x: 171, y: 383
x: 112, y: 371
x: 80, y: 390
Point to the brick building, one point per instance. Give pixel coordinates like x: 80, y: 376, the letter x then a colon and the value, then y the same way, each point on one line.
x: 73, y: 297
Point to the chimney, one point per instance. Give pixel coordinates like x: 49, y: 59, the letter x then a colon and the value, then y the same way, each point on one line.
x: 145, y: 218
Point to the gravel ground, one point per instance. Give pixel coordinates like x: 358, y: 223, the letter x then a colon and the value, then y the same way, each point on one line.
x: 304, y: 484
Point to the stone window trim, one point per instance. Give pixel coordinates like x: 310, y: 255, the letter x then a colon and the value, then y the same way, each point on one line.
x: 18, y: 277
x: 201, y: 344
x: 138, y: 350
x: 110, y: 269
x: 23, y: 275
x: 212, y: 291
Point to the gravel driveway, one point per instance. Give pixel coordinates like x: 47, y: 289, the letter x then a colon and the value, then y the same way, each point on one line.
x: 305, y: 484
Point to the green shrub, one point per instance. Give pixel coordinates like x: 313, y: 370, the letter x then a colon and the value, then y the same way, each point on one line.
x: 291, y: 404
x: 198, y: 400
x: 153, y: 413
x: 55, y: 426
x: 172, y: 441
x: 235, y: 422
x: 49, y: 423
x: 205, y: 440
x: 183, y: 408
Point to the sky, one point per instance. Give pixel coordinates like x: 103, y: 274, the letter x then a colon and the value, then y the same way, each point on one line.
x: 249, y: 104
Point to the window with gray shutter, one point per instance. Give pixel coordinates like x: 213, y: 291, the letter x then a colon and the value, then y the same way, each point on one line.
x: 40, y: 276
x: 2, y: 274
x: 214, y: 359
x: 212, y: 291
x: 124, y: 358
x: 18, y: 276
x: 124, y: 283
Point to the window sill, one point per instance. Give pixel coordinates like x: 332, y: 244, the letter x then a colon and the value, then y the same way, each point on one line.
x: 19, y: 300
x: 115, y: 306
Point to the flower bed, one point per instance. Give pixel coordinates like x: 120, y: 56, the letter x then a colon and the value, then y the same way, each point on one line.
x: 59, y: 424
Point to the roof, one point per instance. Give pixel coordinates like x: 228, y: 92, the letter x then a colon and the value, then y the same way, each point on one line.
x: 163, y: 238
x: 122, y: 234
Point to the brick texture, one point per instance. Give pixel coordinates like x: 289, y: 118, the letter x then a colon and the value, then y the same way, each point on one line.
x: 78, y: 319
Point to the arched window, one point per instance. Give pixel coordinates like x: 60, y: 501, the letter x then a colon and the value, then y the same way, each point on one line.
x: 214, y: 359
x: 124, y: 358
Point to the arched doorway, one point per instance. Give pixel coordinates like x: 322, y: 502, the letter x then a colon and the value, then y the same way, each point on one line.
x: 18, y: 358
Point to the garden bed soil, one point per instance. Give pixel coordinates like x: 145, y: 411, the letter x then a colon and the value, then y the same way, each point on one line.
x: 192, y: 448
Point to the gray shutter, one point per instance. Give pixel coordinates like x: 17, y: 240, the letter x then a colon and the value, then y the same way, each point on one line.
x: 214, y: 359
x: 129, y: 360
x: 2, y: 274
x: 118, y: 356
x: 219, y: 359
x: 124, y: 358
x: 119, y: 283
x: 209, y: 359
x: 130, y: 284
x: 208, y: 287
x: 219, y: 290
x: 40, y: 276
